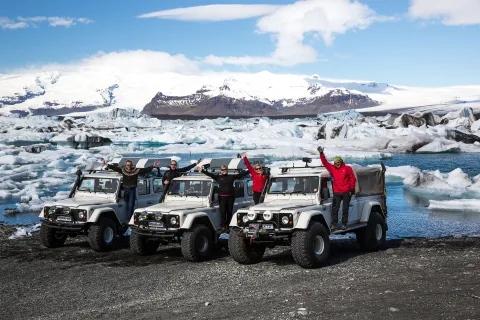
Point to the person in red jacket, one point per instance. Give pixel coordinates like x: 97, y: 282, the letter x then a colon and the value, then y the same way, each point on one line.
x: 258, y: 176
x: 343, y: 187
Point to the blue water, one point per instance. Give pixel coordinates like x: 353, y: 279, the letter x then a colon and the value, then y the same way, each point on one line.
x: 408, y: 214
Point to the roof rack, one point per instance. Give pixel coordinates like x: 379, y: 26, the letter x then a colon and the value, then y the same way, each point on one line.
x: 141, y: 162
x: 307, y: 160
x: 233, y: 164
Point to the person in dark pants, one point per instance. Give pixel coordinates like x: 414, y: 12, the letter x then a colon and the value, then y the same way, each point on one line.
x: 130, y: 180
x: 173, y: 173
x: 258, y: 177
x: 343, y: 187
x: 226, y: 195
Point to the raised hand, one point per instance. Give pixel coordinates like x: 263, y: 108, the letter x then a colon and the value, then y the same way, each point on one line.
x: 199, y: 160
x: 320, y: 149
x: 102, y: 161
x: 244, y: 154
x: 156, y: 164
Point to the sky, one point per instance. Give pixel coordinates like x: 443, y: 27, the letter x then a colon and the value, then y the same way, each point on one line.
x: 427, y: 43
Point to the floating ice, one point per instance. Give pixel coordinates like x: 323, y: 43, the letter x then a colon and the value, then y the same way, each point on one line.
x: 455, y: 205
x: 24, y: 231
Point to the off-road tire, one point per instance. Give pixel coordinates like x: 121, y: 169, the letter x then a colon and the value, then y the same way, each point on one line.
x: 371, y: 237
x: 97, y: 235
x: 50, y: 238
x: 311, y: 247
x: 242, y: 251
x: 141, y: 246
x: 197, y: 243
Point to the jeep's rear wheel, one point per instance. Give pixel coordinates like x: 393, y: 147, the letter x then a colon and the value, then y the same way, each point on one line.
x: 141, y: 245
x: 51, y: 238
x: 242, y: 251
x: 311, y: 247
x: 373, y: 236
x: 102, y: 235
x: 197, y: 243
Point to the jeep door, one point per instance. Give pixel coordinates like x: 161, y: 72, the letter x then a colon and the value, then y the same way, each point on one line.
x: 243, y: 197
x: 145, y: 195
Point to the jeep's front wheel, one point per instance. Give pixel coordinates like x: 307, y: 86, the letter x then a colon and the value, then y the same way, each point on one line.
x: 51, y: 238
x: 197, y: 243
x: 141, y: 246
x: 102, y: 235
x: 242, y: 251
x: 311, y: 247
x: 373, y: 236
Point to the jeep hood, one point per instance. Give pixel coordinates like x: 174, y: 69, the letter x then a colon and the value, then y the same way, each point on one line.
x: 282, y: 205
x: 166, y: 207
x: 73, y: 203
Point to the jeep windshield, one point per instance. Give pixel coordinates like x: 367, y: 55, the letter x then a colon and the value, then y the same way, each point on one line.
x: 190, y: 188
x: 104, y: 185
x: 292, y: 185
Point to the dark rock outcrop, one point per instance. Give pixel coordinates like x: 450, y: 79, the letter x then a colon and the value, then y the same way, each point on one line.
x: 461, y: 136
x: 201, y: 105
x: 429, y: 119
x: 406, y: 120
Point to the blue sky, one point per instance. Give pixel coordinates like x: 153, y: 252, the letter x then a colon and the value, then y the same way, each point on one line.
x: 397, y: 41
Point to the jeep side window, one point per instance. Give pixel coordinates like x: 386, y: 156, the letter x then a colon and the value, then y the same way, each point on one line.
x: 249, y: 187
x: 239, y: 189
x: 157, y: 185
x: 143, y: 187
x: 215, y: 191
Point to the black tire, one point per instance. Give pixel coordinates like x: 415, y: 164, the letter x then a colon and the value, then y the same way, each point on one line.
x: 197, y: 243
x: 102, y: 235
x: 372, y: 237
x: 51, y: 238
x: 141, y: 246
x: 242, y: 251
x: 311, y: 247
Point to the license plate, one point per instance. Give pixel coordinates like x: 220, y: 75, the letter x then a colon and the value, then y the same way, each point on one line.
x: 156, y: 224
x: 267, y: 226
x: 255, y: 226
x: 64, y: 218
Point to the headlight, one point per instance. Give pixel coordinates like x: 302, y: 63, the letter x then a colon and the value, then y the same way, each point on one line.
x: 245, y: 219
x: 251, y: 215
x: 66, y: 210
x: 82, y: 214
x: 51, y: 210
x: 143, y: 216
x: 173, y: 221
x: 285, y: 220
x: 267, y: 215
x: 158, y: 216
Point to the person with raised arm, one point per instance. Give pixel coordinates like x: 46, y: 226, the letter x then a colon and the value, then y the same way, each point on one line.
x: 173, y: 173
x: 343, y: 187
x: 226, y: 194
x: 259, y: 178
x: 130, y: 180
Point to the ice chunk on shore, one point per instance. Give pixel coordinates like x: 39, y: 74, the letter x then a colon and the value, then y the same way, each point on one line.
x: 24, y: 231
x: 455, y: 205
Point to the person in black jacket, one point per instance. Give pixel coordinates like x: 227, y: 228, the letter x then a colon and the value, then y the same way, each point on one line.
x: 172, y: 173
x: 130, y: 180
x: 226, y: 191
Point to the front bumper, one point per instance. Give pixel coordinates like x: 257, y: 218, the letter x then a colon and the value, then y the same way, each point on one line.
x: 155, y: 233
x: 257, y: 232
x: 65, y: 226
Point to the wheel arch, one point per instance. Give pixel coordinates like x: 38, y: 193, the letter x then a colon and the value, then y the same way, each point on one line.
x: 308, y: 216
x: 198, y: 218
x: 104, y: 212
x: 368, y: 208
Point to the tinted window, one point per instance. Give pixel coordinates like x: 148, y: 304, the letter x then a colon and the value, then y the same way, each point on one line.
x: 294, y: 185
x: 249, y: 187
x: 143, y: 187
x: 239, y: 189
x: 157, y: 185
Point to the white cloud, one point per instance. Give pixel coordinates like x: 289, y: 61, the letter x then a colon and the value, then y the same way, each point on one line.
x: 6, y: 23
x: 121, y: 62
x: 26, y: 22
x: 214, y: 12
x: 288, y: 24
x: 451, y: 12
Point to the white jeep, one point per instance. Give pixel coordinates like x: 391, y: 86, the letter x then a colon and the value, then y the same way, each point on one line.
x: 297, y: 211
x: 96, y: 207
x: 190, y: 213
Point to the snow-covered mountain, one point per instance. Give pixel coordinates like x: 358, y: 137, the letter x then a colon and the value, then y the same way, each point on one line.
x: 263, y: 93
